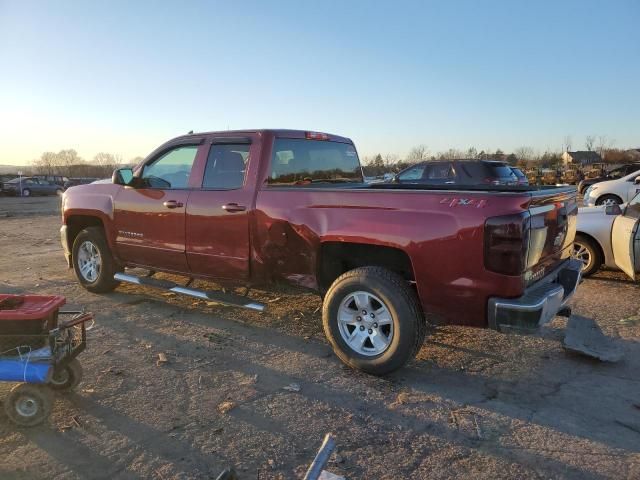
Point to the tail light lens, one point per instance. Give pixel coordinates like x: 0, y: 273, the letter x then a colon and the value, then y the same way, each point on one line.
x: 506, y: 243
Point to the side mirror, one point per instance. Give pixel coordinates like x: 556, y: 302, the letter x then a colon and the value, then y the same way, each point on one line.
x: 122, y: 176
x: 637, y: 180
x: 613, y: 210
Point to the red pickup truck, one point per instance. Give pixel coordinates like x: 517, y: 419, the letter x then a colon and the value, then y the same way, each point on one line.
x: 257, y: 207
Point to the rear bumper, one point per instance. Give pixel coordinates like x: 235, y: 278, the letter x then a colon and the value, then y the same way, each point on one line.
x: 64, y: 240
x: 539, y: 304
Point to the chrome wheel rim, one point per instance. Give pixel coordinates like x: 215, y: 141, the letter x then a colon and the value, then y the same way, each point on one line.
x: 581, y: 252
x: 26, y: 193
x: 89, y: 261
x: 27, y: 406
x: 365, y: 323
x: 609, y: 202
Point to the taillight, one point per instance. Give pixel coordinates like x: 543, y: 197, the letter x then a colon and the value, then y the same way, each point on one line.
x: 316, y: 136
x: 506, y: 243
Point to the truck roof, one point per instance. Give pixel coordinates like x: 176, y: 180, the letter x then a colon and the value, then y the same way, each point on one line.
x: 276, y: 132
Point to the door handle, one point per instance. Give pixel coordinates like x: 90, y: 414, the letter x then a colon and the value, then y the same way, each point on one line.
x: 233, y: 207
x: 172, y: 204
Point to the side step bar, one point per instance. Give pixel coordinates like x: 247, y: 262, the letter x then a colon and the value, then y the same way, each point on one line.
x: 230, y: 299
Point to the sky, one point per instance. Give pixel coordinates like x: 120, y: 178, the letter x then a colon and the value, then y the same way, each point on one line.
x: 123, y: 77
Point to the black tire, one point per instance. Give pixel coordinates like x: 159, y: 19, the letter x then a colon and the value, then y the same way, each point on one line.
x: 68, y: 377
x: 604, y: 198
x: 593, y: 250
x: 103, y: 281
x: 26, y: 192
x: 28, y: 405
x: 409, y: 327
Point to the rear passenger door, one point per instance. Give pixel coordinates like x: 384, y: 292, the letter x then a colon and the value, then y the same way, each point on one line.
x: 217, y: 220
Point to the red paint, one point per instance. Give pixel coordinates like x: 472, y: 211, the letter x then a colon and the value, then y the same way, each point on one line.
x: 279, y: 233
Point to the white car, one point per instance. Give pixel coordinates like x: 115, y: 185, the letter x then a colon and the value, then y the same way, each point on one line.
x: 609, y: 236
x: 613, y: 192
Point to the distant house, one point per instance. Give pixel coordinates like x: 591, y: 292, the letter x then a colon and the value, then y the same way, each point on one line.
x: 582, y: 158
x: 634, y: 154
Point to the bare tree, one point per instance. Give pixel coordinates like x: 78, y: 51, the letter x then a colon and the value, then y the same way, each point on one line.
x: 46, y: 164
x: 604, y: 144
x: 107, y: 162
x: 472, y: 152
x: 524, y: 154
x: 589, y: 142
x: 418, y: 154
x: 567, y: 143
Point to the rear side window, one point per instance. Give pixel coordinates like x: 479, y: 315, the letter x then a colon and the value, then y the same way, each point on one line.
x: 301, y: 162
x: 499, y: 169
x: 440, y: 171
x: 226, y: 166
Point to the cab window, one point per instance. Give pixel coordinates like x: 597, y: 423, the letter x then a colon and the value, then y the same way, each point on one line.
x: 298, y: 162
x: 172, y: 169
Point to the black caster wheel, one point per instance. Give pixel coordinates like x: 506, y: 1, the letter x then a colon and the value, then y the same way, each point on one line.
x: 28, y: 405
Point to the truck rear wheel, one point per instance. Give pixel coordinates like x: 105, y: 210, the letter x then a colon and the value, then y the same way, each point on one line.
x: 92, y: 261
x: 373, y: 320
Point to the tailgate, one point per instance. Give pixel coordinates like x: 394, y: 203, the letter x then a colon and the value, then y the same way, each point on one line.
x: 552, y: 231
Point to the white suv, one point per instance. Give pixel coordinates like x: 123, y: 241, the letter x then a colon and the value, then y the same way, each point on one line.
x: 613, y: 192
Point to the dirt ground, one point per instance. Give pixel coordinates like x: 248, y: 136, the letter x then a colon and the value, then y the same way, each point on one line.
x: 475, y: 404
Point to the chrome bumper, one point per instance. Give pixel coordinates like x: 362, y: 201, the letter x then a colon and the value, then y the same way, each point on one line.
x: 539, y: 304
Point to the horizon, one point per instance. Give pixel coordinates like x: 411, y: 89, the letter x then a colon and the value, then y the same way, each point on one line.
x: 123, y: 78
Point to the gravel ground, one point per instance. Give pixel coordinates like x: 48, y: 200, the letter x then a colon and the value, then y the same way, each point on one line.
x: 474, y: 404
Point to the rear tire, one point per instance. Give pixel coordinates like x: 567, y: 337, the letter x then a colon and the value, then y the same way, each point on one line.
x: 93, y: 262
x: 28, y: 405
x: 609, y: 200
x: 588, y: 252
x: 26, y: 192
x: 68, y: 377
x: 375, y: 348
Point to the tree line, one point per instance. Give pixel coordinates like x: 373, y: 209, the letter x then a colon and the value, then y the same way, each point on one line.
x: 523, y: 157
x: 70, y: 164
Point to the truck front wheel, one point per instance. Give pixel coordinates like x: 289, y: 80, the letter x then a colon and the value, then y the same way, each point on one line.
x: 373, y: 320
x: 92, y: 261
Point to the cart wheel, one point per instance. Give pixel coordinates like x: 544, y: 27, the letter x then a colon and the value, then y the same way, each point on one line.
x: 67, y: 378
x: 28, y: 405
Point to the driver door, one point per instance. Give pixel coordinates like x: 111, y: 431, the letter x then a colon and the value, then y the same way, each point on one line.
x: 625, y: 239
x: 150, y: 216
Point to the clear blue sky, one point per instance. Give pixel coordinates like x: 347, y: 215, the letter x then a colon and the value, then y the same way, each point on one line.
x: 125, y: 76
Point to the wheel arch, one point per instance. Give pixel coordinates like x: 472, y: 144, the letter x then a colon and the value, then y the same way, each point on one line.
x: 596, y: 243
x: 336, y: 258
x: 609, y: 195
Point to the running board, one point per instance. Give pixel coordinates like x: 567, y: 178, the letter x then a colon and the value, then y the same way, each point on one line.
x: 229, y: 299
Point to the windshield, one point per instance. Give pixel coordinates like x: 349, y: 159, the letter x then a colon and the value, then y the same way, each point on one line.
x: 303, y: 162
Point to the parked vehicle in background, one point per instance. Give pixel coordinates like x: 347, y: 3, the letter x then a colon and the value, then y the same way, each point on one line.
x: 614, y: 174
x: 608, y: 236
x: 72, y: 182
x: 56, y: 179
x: 569, y: 175
x: 549, y: 176
x: 3, y: 179
x: 257, y: 208
x: 31, y: 186
x: 521, y: 178
x: 613, y: 192
x: 457, y: 172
